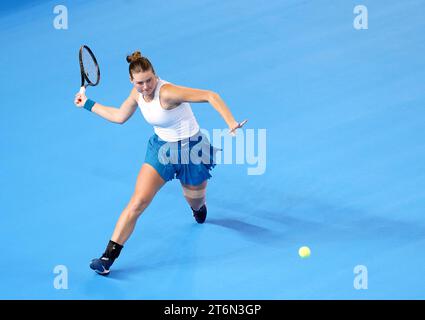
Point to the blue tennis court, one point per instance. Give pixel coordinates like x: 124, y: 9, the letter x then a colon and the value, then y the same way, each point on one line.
x: 341, y: 169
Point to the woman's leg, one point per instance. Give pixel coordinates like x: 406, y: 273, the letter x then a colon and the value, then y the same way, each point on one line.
x: 148, y: 184
x: 195, y: 195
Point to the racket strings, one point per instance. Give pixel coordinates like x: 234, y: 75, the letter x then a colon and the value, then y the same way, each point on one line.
x: 90, y: 67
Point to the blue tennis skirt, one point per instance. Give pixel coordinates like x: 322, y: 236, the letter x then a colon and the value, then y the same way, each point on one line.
x: 189, y: 160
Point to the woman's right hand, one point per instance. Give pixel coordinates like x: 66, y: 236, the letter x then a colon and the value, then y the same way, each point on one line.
x: 80, y: 98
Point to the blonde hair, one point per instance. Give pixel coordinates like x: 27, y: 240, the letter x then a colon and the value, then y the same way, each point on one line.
x: 138, y: 63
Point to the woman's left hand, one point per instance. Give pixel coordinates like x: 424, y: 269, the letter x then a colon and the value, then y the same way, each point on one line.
x: 237, y: 126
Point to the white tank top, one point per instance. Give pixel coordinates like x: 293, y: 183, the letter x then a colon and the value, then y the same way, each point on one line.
x: 170, y: 125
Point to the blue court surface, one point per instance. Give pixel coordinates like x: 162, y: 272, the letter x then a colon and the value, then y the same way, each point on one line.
x: 343, y: 113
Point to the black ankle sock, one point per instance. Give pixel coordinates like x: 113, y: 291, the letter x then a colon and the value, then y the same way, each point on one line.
x: 112, y: 250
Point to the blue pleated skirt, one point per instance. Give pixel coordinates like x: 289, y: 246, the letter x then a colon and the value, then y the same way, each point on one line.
x: 189, y: 160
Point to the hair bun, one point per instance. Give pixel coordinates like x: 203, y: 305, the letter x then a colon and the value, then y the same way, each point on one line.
x: 136, y: 55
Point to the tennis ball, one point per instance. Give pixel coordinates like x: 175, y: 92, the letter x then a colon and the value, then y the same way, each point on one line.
x: 304, y: 252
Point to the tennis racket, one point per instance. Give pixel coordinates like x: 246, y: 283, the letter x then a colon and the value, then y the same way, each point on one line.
x: 240, y: 125
x: 90, y: 72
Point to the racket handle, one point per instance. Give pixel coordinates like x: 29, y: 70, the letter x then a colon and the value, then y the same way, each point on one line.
x: 82, y: 90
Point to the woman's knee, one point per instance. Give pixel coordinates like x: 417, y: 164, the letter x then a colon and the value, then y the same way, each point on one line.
x: 138, y: 204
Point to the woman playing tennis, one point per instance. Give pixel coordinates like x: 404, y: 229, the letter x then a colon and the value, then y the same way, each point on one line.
x: 177, y: 134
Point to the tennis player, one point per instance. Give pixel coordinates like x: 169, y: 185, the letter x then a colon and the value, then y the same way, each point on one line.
x: 169, y: 152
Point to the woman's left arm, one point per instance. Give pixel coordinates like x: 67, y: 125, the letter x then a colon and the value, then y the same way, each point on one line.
x: 174, y: 95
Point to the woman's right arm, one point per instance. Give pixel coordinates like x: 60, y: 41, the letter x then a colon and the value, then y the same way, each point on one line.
x: 116, y: 115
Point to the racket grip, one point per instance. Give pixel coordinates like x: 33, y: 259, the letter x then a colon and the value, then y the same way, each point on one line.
x: 82, y: 90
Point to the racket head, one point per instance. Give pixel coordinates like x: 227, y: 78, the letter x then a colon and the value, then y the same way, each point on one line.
x: 89, y: 67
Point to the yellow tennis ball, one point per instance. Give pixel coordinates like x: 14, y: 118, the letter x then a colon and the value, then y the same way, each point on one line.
x: 304, y: 252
